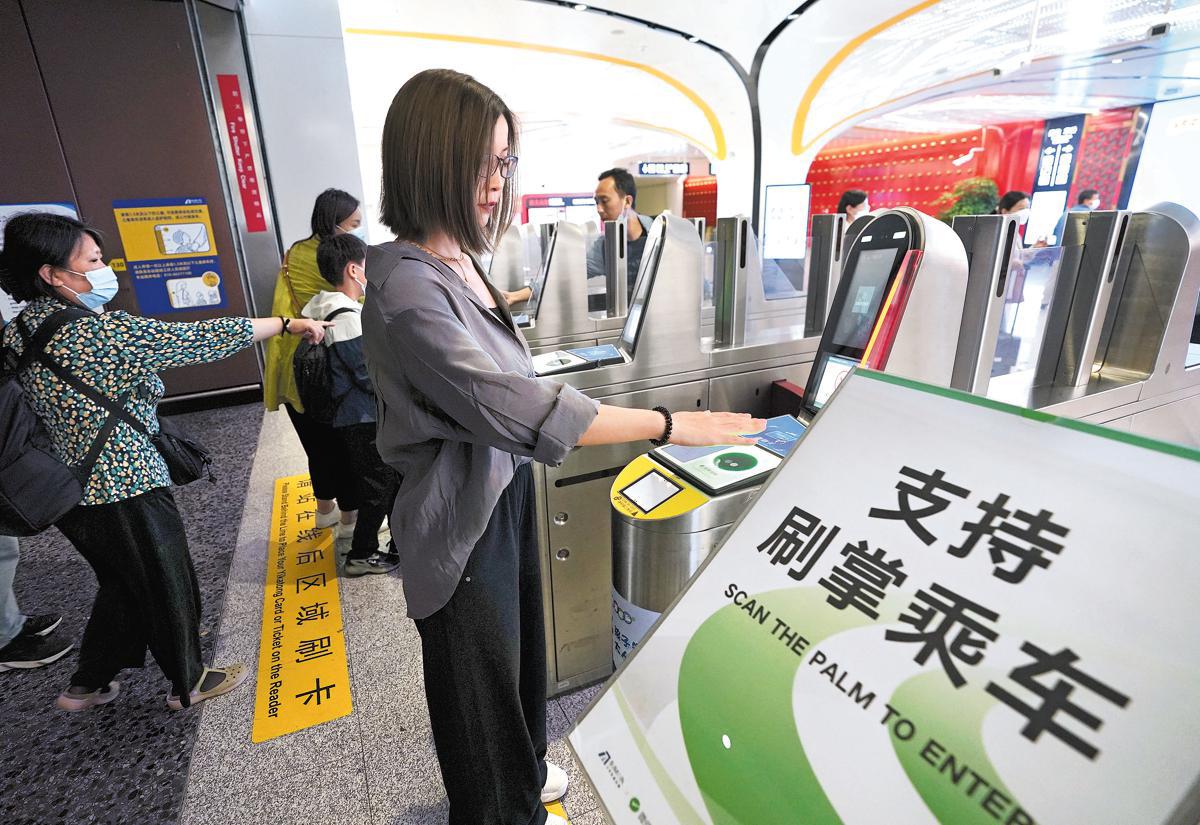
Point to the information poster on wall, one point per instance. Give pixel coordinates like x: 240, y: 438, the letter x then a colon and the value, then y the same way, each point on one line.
x: 171, y: 254
x: 940, y: 609
x: 9, y: 308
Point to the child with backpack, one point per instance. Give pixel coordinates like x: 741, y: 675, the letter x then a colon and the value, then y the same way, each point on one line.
x: 333, y: 385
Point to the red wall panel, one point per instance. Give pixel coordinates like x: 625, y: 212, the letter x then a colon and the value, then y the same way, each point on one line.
x: 700, y: 198
x: 1102, y: 152
x: 902, y: 169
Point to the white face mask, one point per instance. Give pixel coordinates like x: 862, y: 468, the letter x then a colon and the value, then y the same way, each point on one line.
x: 1023, y: 216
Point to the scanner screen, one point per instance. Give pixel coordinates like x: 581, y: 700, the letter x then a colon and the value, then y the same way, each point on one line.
x: 863, y: 298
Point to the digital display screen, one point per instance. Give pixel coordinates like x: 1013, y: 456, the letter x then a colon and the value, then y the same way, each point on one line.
x: 1045, y: 211
x: 538, y: 285
x: 603, y: 354
x: 641, y: 291
x: 785, y: 221
x: 835, y: 369
x: 864, y: 294
x: 781, y: 434
x: 650, y: 491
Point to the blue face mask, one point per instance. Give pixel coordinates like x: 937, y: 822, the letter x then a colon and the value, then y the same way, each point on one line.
x: 104, y: 287
x: 359, y: 232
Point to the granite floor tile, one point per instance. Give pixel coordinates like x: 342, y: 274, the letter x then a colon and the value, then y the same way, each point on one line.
x: 579, y: 798
x: 596, y: 817
x: 126, y: 761
x: 405, y: 781
x: 575, y: 703
x: 330, y: 794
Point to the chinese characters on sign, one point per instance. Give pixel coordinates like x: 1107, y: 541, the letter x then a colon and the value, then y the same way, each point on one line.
x: 303, y: 677
x: 944, y: 625
x: 234, y: 107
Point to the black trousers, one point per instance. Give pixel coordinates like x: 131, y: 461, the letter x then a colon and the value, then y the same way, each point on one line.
x: 148, y: 596
x: 332, y: 477
x: 485, y: 673
x: 377, y: 487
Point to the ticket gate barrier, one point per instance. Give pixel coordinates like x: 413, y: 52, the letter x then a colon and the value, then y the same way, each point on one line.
x: 669, y: 359
x: 670, y: 509
x: 898, y: 307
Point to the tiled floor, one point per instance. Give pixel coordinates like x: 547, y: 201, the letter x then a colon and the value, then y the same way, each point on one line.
x: 126, y: 761
x: 375, y: 766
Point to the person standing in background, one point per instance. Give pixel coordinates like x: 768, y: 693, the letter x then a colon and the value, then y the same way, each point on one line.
x: 127, y: 526
x: 853, y: 204
x: 1088, y: 201
x: 24, y: 640
x: 334, y: 213
x: 616, y: 194
x: 342, y: 261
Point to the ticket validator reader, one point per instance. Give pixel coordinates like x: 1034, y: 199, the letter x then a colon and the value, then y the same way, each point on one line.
x: 897, y: 307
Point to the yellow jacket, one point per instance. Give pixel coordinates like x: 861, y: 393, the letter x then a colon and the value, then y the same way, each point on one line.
x: 298, y: 281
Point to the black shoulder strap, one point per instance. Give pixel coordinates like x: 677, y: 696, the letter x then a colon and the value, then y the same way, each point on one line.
x: 36, y: 344
x: 35, y: 348
x: 339, y: 311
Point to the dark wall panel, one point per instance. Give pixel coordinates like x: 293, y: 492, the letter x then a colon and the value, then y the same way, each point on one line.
x: 32, y: 169
x: 130, y: 107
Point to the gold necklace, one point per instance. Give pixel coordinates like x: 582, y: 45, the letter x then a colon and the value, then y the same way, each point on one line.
x: 454, y: 263
x: 443, y: 258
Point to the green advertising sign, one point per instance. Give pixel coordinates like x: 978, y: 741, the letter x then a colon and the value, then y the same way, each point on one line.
x: 939, y: 609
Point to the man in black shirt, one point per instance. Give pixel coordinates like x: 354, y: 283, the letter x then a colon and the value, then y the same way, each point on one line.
x: 616, y: 194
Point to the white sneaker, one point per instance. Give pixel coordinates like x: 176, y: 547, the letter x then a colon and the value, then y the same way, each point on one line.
x: 555, y: 819
x: 328, y: 519
x: 556, y: 784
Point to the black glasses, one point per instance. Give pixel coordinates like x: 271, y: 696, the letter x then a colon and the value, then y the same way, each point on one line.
x: 507, y: 166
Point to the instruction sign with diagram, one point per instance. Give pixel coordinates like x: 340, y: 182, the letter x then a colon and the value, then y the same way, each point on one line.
x: 171, y: 254
x: 940, y: 609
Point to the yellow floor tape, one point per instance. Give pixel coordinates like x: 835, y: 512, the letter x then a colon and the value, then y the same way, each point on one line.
x: 557, y: 808
x: 303, y: 675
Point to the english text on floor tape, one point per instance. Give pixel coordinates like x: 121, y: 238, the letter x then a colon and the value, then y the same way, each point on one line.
x: 303, y: 677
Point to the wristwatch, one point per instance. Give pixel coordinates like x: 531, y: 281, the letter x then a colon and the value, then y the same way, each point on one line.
x: 666, y: 436
x: 285, y: 320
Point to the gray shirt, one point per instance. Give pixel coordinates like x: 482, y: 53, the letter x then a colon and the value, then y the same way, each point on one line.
x: 459, y: 409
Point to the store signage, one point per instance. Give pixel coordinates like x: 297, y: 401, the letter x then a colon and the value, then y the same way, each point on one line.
x: 939, y: 609
x: 234, y: 109
x: 1056, y: 169
x: 665, y: 168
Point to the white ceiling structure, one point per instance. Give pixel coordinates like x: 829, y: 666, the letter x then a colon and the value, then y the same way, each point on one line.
x: 593, y: 86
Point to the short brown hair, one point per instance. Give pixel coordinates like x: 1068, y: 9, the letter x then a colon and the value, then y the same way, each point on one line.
x: 436, y: 140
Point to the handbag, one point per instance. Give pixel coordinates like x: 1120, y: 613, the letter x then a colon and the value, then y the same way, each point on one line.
x: 187, y: 460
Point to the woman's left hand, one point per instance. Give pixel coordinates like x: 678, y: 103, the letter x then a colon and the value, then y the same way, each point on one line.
x: 520, y: 296
x: 313, y: 331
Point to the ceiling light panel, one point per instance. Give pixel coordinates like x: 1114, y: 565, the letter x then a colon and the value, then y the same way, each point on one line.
x: 957, y: 42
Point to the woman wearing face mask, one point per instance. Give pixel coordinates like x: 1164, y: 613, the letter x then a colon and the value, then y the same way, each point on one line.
x: 334, y: 213
x: 1017, y: 203
x: 461, y: 416
x: 127, y: 526
x: 853, y: 204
